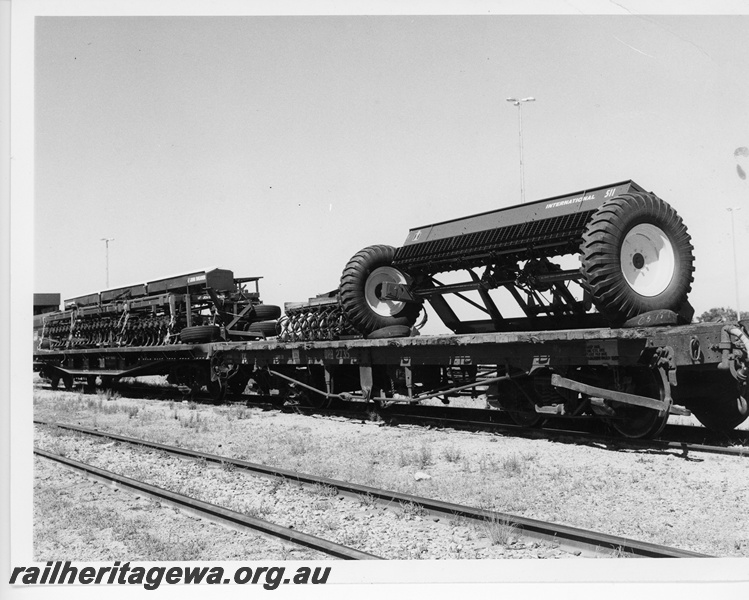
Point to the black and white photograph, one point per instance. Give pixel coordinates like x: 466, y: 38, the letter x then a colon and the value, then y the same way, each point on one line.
x: 347, y: 299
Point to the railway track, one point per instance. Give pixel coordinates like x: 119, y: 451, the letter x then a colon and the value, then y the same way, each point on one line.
x: 680, y: 435
x: 209, y: 511
x: 683, y: 438
x: 568, y: 538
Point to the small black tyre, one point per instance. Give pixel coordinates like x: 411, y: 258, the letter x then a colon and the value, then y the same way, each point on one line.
x: 526, y: 419
x: 267, y: 328
x: 266, y: 312
x: 361, y: 283
x: 636, y: 257
x: 200, y: 334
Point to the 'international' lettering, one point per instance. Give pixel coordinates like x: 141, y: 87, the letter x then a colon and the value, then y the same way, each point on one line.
x: 571, y: 201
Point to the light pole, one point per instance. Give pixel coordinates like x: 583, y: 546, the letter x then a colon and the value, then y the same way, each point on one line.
x: 735, y: 264
x: 518, y: 103
x: 106, y: 241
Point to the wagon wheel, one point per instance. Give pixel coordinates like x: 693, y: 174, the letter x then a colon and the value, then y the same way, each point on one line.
x: 638, y: 422
x: 216, y: 390
x: 194, y: 387
x: 515, y: 399
x: 297, y: 394
x: 636, y: 257
x: 525, y: 418
x: 313, y: 400
x: 238, y: 383
x: 725, y: 407
x: 361, y: 291
x: 68, y: 382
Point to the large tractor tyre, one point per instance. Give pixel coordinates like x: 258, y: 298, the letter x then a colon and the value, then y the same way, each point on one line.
x: 361, y: 285
x: 266, y: 312
x: 200, y: 334
x: 636, y: 257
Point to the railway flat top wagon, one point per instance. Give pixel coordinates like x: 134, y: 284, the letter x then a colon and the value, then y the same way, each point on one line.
x: 611, y: 339
x: 633, y: 378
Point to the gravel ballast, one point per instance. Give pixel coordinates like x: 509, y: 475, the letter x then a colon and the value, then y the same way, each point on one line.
x: 402, y: 531
x: 694, y: 502
x: 93, y: 522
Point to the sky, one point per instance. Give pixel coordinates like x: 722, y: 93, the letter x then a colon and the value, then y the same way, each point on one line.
x: 279, y: 146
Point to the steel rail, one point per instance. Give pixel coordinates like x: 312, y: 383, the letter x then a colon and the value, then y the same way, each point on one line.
x: 211, y: 511
x: 545, y: 432
x: 565, y: 535
x: 548, y: 432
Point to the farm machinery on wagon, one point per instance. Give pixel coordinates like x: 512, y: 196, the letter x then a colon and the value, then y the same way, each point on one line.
x: 635, y: 257
x: 202, y: 306
x: 609, y: 337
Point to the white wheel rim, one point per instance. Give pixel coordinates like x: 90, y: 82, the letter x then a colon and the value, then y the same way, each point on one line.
x: 373, y: 287
x: 647, y: 259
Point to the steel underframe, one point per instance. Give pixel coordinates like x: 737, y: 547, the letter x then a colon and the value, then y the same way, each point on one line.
x: 669, y: 350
